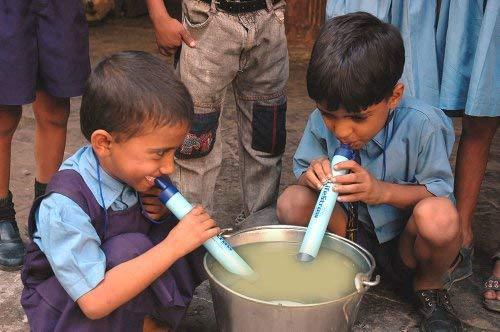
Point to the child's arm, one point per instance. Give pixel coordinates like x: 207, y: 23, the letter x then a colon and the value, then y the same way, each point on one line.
x: 360, y: 185
x: 127, y: 280
x: 170, y: 33
x: 432, y: 177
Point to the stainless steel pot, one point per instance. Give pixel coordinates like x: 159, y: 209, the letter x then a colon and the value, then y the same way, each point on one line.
x: 239, y: 313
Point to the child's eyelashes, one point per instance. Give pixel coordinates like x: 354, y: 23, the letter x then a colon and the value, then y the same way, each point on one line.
x: 358, y: 118
x: 355, y: 118
x: 159, y: 153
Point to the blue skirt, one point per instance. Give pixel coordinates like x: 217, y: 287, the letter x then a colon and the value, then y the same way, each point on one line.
x: 450, y: 51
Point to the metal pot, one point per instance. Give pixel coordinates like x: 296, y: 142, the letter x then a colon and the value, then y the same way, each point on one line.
x: 239, y: 313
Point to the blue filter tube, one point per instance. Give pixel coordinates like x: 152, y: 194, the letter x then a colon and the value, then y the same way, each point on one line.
x: 216, y: 246
x: 323, y: 210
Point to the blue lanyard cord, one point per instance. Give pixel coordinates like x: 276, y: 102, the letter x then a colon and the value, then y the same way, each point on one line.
x: 102, y: 197
x: 386, y: 135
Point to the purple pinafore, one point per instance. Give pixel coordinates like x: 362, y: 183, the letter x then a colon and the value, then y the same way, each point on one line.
x: 125, y: 235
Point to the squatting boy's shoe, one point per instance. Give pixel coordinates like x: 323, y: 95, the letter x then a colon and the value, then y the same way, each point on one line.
x: 437, y: 311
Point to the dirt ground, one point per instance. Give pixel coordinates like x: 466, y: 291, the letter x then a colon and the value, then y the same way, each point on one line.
x: 381, y: 310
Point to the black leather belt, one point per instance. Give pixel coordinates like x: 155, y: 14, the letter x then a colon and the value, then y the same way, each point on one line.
x: 242, y: 6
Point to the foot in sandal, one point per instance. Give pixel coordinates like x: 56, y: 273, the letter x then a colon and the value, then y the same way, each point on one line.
x: 491, y: 293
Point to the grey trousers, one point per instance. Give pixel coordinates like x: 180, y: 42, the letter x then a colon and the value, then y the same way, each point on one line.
x: 249, y: 51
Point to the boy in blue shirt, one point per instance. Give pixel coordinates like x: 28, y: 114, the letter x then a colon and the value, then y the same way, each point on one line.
x: 98, y: 261
x: 401, y: 180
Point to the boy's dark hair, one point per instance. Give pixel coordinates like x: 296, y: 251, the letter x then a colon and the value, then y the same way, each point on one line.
x: 355, y: 63
x: 128, y: 90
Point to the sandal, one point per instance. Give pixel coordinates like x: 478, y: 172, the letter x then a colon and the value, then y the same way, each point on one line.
x: 492, y: 284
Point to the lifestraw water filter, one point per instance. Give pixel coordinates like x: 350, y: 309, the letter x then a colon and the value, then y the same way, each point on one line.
x: 323, y: 209
x: 216, y: 246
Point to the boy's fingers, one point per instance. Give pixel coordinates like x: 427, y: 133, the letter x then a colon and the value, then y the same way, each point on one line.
x: 349, y: 198
x: 187, y: 38
x: 197, y: 210
x: 347, y: 178
x: 150, y: 201
x: 349, y: 165
x: 313, y: 181
x: 319, y: 172
x: 209, y: 223
x: 214, y: 231
x: 327, y: 168
x: 152, y: 208
x: 154, y: 191
x: 348, y: 189
x: 203, y: 217
x: 151, y: 192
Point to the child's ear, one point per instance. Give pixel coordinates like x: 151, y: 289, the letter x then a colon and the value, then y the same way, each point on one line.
x: 101, y: 142
x: 397, y: 94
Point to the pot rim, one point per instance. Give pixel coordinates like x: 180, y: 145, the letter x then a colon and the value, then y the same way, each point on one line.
x: 352, y: 244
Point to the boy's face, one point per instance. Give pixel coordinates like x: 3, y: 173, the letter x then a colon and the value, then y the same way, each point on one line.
x: 148, y: 154
x: 357, y: 129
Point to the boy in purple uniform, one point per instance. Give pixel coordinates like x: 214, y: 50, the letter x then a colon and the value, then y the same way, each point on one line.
x: 44, y: 58
x: 97, y: 260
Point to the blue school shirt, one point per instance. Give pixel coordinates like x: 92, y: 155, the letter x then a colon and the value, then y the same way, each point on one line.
x: 65, y: 234
x: 416, y: 144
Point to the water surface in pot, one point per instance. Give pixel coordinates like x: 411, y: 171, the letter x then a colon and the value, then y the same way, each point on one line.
x: 283, y: 279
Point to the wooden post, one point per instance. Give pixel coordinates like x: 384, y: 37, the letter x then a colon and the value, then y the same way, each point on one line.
x: 304, y: 18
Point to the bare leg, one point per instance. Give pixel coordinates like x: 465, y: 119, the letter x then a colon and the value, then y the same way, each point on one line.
x: 431, y: 241
x: 472, y: 158
x: 9, y: 119
x: 51, y: 115
x: 11, y: 246
x: 296, y: 204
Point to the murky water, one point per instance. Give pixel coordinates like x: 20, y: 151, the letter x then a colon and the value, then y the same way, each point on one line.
x: 282, y: 278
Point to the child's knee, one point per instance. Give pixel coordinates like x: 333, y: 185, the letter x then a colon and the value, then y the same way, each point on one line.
x: 295, y: 205
x: 437, y: 220
x: 124, y: 247
x: 57, y: 119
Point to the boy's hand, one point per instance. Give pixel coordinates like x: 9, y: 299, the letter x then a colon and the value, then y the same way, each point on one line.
x: 191, y: 231
x: 170, y: 33
x: 359, y: 185
x: 318, y: 173
x: 152, y: 204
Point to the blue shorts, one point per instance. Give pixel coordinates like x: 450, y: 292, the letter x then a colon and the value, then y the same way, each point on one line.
x: 44, y: 44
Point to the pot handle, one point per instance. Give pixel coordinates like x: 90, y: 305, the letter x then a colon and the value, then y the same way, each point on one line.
x: 375, y: 282
x: 362, y: 282
x: 224, y: 232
